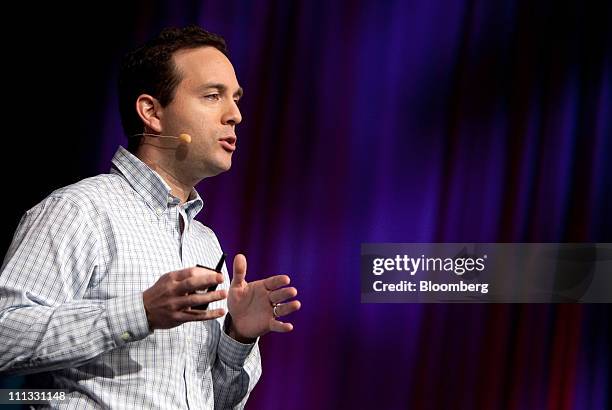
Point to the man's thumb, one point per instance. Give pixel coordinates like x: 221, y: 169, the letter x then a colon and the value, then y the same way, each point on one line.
x: 239, y: 270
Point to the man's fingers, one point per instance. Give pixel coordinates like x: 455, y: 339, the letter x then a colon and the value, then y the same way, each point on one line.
x: 198, y: 281
x: 275, y: 282
x: 284, y: 309
x: 281, y: 327
x: 196, y: 299
x: 280, y: 295
x: 198, y: 315
x: 181, y: 274
x: 239, y: 270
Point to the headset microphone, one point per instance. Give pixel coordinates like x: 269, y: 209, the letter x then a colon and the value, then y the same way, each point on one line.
x: 185, y: 138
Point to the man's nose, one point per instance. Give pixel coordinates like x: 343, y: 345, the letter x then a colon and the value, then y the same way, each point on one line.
x: 232, y: 114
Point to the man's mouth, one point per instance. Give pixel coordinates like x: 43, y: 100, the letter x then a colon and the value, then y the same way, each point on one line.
x: 228, y: 143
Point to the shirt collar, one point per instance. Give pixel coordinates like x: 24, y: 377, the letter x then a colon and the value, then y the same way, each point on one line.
x: 150, y: 185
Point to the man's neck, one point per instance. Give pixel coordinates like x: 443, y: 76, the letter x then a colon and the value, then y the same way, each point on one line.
x: 177, y: 188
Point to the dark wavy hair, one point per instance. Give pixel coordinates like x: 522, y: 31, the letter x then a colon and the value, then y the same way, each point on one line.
x: 150, y: 69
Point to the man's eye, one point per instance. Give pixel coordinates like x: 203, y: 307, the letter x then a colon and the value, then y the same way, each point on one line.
x: 212, y: 97
x: 237, y: 102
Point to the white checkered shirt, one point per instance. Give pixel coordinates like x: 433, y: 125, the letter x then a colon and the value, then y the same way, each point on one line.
x: 71, y: 299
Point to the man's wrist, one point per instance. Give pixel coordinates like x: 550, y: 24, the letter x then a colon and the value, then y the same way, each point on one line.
x: 230, y: 330
x: 144, y: 304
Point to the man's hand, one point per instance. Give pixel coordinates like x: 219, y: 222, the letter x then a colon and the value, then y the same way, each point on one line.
x: 251, y: 304
x: 168, y: 302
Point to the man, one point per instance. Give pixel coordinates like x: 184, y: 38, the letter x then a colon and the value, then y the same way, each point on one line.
x: 100, y: 289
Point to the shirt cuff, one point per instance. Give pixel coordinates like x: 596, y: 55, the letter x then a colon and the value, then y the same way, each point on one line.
x: 233, y: 352
x: 127, y: 319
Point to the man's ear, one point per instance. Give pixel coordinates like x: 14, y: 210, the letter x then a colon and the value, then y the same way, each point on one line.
x: 149, y: 110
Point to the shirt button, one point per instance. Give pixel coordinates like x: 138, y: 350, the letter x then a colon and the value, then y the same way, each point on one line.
x: 160, y: 211
x: 126, y: 336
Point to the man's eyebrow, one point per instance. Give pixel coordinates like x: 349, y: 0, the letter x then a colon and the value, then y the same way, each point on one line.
x: 221, y: 88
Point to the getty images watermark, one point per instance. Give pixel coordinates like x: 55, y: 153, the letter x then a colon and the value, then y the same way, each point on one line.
x: 486, y: 272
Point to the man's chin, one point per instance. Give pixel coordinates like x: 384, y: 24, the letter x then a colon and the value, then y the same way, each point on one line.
x: 219, y: 168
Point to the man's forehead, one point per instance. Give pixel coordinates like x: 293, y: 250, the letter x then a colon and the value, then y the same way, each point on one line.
x: 205, y: 65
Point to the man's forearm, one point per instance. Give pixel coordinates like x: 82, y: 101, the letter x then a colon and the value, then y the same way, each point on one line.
x: 236, y: 370
x: 41, y: 338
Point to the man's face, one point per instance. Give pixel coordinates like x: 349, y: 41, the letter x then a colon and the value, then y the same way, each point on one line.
x: 205, y: 107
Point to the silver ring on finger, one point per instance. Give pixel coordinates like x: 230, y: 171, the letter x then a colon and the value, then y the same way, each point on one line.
x: 274, y: 312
